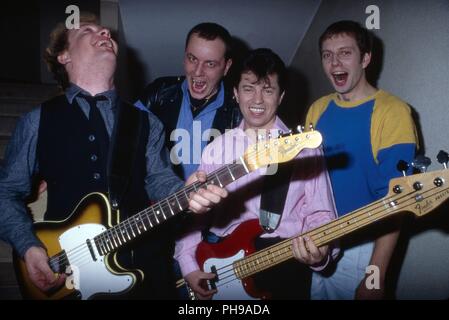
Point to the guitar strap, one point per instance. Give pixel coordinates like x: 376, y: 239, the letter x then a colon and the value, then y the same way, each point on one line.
x: 274, y: 194
x: 122, y: 154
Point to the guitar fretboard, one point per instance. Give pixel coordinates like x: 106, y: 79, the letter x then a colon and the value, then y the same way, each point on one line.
x: 138, y: 224
x: 326, y: 233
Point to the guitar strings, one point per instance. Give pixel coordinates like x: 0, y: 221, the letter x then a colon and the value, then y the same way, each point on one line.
x: 286, y: 244
x: 63, y: 259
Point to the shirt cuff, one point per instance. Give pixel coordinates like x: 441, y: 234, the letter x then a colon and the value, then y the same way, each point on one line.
x: 322, y: 266
x: 188, y: 264
x: 22, y: 248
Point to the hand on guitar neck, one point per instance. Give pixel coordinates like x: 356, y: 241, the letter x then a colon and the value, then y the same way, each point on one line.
x: 305, y: 251
x: 205, y: 198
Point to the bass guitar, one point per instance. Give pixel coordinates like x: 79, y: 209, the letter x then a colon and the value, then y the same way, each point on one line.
x: 234, y: 260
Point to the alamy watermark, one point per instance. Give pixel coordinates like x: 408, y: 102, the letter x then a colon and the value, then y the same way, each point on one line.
x: 373, y: 20
x: 372, y: 281
x: 187, y: 147
x: 73, y: 20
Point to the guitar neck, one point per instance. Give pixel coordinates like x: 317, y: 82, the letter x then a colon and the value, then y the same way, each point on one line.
x: 323, y: 235
x: 140, y: 223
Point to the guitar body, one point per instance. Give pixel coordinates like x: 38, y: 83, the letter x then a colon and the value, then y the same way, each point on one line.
x: 91, y: 275
x: 222, y: 255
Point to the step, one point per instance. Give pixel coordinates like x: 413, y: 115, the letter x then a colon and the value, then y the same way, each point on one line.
x: 7, y: 124
x: 10, y: 293
x: 7, y: 275
x: 3, y: 143
x: 5, y: 252
x: 17, y: 106
x: 8, y: 283
x: 35, y: 91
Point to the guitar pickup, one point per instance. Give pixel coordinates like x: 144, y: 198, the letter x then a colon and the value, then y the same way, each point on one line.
x: 212, y: 282
x: 91, y: 249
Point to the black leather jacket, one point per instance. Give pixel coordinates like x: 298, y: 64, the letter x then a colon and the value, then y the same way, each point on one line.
x: 164, y: 98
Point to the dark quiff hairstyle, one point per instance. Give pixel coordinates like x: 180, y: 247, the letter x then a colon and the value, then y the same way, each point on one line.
x: 211, y: 31
x: 264, y: 62
x: 361, y: 35
x: 56, y: 46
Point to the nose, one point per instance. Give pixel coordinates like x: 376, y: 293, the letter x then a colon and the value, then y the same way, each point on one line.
x: 199, y: 69
x: 335, y: 61
x: 105, y: 32
x: 258, y: 97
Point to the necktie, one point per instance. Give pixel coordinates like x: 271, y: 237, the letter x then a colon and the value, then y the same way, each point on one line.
x: 99, y: 133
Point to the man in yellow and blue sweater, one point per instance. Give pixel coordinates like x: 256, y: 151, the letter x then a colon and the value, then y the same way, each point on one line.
x: 366, y: 132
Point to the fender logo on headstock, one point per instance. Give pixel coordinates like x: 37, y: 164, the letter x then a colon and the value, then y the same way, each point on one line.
x: 428, y: 205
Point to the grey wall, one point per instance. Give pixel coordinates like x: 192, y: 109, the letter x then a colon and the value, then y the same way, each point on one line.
x: 155, y: 31
x: 415, y: 67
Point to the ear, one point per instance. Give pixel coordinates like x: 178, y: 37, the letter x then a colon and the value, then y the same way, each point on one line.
x: 228, y: 66
x: 366, y: 59
x: 64, y: 58
x: 236, y: 95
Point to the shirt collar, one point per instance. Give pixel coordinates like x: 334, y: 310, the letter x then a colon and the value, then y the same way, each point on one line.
x: 73, y: 90
x: 278, y: 125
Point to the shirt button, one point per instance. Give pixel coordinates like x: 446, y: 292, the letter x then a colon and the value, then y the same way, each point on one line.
x: 91, y: 138
x: 96, y: 176
x: 93, y: 157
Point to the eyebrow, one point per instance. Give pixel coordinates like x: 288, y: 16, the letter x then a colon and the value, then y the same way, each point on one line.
x: 342, y: 48
x: 192, y: 55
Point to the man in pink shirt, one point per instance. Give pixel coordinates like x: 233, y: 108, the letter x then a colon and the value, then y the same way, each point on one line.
x: 309, y: 201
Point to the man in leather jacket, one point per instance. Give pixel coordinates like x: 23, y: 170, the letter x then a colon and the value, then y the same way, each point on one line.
x: 190, y: 105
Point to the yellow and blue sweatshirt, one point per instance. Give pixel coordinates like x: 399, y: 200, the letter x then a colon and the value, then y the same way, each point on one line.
x: 363, y: 142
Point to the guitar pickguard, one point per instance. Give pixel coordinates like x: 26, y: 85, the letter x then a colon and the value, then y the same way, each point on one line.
x: 229, y: 287
x: 89, y: 272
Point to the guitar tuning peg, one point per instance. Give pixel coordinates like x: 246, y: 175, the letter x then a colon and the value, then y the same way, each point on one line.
x: 402, y: 166
x: 299, y: 129
x: 310, y: 126
x: 290, y: 132
x: 443, y: 158
x: 280, y: 132
x: 421, y: 163
x: 269, y: 135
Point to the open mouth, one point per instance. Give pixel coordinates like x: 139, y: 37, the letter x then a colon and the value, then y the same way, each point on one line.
x: 257, y: 110
x: 198, y: 86
x: 340, y: 77
x: 105, y: 44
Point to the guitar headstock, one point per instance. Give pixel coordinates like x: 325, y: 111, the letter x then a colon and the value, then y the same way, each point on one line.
x: 420, y: 193
x: 281, y: 149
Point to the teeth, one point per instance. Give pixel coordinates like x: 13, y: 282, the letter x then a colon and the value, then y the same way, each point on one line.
x: 105, y: 43
x: 337, y: 73
x: 257, y: 109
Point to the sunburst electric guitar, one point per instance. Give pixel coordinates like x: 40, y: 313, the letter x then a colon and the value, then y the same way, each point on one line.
x: 234, y: 260
x: 84, y: 244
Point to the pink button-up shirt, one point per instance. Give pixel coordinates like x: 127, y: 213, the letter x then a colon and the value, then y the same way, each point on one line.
x: 309, y: 201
